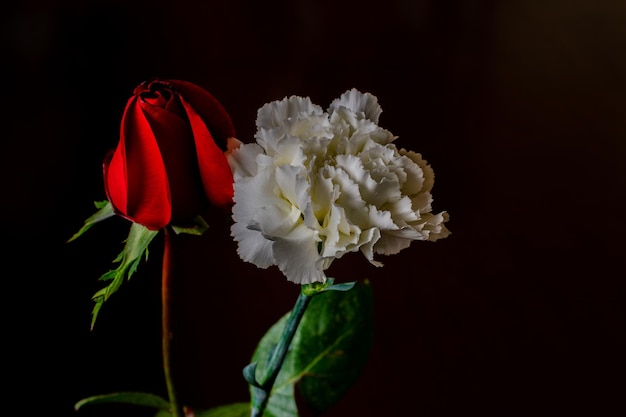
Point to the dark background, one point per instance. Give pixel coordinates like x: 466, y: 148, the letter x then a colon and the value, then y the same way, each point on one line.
x: 519, y: 106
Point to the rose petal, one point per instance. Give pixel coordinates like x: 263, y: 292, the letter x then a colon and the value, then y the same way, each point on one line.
x: 214, y: 169
x: 135, y: 177
x: 210, y: 110
x: 178, y: 151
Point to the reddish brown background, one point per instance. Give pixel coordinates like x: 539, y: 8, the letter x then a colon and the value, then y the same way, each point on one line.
x: 519, y: 106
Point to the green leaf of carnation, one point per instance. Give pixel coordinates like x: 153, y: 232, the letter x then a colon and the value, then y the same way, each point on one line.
x: 135, y: 249
x: 328, y: 352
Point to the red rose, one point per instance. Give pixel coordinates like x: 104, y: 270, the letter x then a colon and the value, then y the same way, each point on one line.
x: 169, y: 165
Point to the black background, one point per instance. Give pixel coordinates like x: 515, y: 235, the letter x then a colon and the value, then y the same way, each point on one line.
x: 519, y: 106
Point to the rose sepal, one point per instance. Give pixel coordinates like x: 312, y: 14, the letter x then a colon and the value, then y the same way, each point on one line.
x: 135, y: 249
x: 200, y: 226
x: 105, y: 211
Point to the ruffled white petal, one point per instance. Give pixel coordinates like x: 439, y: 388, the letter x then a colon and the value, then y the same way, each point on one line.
x: 362, y: 105
x: 253, y: 247
x: 242, y: 160
x: 318, y: 185
x: 297, y: 256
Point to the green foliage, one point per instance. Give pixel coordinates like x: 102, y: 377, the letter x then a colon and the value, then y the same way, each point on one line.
x: 328, y: 352
x: 105, y: 210
x: 135, y: 249
x: 134, y: 398
x: 198, y: 228
x: 319, y: 287
x: 230, y: 410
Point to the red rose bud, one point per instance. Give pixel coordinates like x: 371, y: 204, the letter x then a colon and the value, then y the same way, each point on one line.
x: 169, y: 165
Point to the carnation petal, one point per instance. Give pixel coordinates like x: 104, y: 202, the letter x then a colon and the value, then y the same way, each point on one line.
x: 363, y: 104
x: 242, y: 160
x: 369, y: 240
x: 390, y: 244
x: 297, y: 257
x: 427, y: 170
x: 435, y: 225
x: 253, y: 247
x: 277, y: 113
x: 326, y: 184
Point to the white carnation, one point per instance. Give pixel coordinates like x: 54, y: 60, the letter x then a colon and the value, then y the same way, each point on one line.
x: 317, y: 185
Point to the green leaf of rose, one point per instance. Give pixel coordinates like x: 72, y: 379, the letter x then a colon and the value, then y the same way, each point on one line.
x: 135, y: 398
x: 135, y: 249
x: 200, y: 226
x: 328, y: 352
x: 105, y: 210
x: 230, y: 410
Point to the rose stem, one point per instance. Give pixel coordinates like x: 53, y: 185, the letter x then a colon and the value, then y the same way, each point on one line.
x: 277, y: 356
x: 166, y: 320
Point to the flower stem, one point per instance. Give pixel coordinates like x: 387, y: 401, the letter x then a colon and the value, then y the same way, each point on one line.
x: 166, y: 320
x: 277, y: 356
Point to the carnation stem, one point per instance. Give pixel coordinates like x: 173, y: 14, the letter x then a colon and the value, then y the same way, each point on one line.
x: 166, y: 320
x: 277, y: 356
